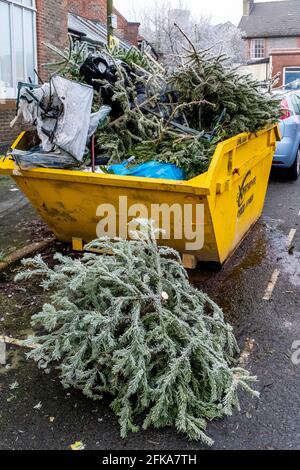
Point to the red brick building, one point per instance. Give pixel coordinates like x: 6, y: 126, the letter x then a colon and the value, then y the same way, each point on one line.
x: 272, y: 34
x: 96, y: 10
x: 27, y: 24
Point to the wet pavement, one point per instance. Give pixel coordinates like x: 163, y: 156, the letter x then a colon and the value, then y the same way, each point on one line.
x: 17, y: 217
x: 266, y: 331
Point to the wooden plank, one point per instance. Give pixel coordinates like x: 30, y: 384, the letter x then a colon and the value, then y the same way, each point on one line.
x: 17, y: 342
x: 77, y: 244
x: 189, y: 261
x: 24, y: 252
x: 271, y: 285
x: 2, y: 354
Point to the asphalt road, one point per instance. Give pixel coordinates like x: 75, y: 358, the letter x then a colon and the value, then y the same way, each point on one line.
x: 266, y: 331
x: 15, y: 216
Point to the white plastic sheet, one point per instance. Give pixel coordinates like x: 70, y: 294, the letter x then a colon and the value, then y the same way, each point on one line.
x: 61, y: 112
x: 74, y: 122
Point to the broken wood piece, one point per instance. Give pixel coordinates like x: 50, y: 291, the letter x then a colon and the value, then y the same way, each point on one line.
x: 2, y: 354
x: 157, y: 64
x: 248, y: 348
x: 189, y: 261
x: 77, y: 244
x: 16, y: 342
x: 271, y: 285
x: 24, y: 252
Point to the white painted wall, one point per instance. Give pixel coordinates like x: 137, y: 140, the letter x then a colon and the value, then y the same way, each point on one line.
x: 259, y: 71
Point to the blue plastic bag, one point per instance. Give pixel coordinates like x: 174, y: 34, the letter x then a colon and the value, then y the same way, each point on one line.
x: 152, y: 169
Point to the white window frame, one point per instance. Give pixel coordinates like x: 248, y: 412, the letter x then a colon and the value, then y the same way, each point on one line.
x: 11, y: 93
x: 260, y: 44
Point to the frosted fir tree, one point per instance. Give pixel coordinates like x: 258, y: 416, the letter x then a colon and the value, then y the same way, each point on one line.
x: 128, y: 323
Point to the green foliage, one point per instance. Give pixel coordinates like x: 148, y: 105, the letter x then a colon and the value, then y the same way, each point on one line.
x: 134, y: 126
x: 70, y: 59
x: 191, y: 154
x: 205, y: 87
x: 128, y: 323
x: 208, y: 78
x: 136, y: 57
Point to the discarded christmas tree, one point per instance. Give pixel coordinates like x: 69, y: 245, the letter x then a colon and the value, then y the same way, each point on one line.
x: 205, y: 77
x: 128, y: 323
x: 177, y: 118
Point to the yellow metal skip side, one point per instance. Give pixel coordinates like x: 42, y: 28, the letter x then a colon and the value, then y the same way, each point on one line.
x: 238, y: 187
x: 232, y: 193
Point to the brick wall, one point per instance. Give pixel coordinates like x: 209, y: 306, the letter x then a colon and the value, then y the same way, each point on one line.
x: 127, y: 30
x: 132, y: 32
x: 282, y: 43
x: 281, y: 58
x: 122, y: 23
x: 52, y: 27
x: 283, y: 52
x: 97, y: 10
x: 248, y: 48
x: 92, y: 9
x: 7, y: 135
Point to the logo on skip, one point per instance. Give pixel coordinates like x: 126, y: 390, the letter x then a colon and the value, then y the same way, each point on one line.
x: 247, y: 184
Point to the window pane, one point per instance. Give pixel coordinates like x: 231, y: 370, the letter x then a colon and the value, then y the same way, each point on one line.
x: 28, y: 3
x: 29, y: 44
x: 18, y: 42
x: 291, y: 76
x: 5, y: 47
x: 258, y: 48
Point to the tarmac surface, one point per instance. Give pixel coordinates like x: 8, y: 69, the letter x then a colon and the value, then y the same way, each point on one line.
x: 37, y: 413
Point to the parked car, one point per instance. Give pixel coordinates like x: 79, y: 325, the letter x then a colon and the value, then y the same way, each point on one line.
x: 287, y: 153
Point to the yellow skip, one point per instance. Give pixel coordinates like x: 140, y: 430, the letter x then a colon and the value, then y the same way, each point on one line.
x: 231, y: 193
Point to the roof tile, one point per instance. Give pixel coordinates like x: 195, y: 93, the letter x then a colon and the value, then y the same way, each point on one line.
x: 272, y: 19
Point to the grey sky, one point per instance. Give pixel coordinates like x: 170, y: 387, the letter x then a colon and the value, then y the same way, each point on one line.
x: 218, y: 10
